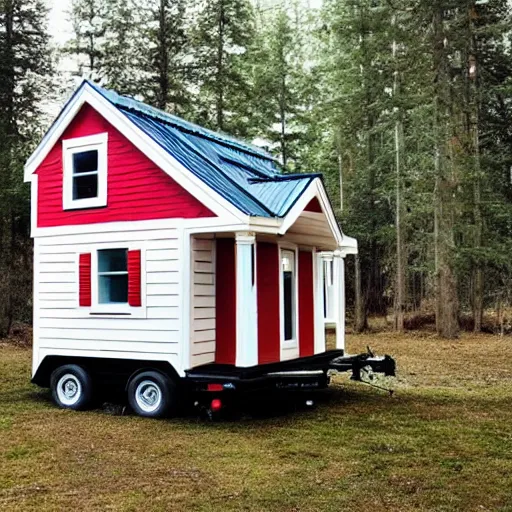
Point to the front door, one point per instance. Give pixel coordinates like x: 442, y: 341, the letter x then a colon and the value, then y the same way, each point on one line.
x: 289, y: 299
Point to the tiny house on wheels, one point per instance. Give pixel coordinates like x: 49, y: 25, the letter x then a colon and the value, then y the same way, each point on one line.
x: 171, y: 260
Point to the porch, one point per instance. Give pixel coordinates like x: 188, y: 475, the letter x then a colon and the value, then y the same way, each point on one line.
x: 258, y: 298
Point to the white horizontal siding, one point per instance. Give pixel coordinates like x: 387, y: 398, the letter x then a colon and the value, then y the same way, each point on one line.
x: 107, y: 334
x: 161, y: 239
x: 64, y: 326
x: 203, y: 301
x: 110, y: 345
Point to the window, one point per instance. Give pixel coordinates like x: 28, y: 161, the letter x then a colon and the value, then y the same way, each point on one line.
x: 85, y: 172
x: 113, y: 276
x: 288, y: 298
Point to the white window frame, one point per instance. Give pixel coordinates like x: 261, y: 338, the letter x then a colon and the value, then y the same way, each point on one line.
x: 99, y: 310
x: 71, y: 147
x: 112, y: 273
x: 289, y: 348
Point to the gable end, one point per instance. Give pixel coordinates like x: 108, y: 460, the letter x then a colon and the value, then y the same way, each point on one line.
x: 137, y: 189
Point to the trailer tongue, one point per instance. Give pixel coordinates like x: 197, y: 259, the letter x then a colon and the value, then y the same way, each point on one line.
x: 305, y: 373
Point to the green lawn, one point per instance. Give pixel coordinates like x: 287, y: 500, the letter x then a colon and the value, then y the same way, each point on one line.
x: 442, y: 442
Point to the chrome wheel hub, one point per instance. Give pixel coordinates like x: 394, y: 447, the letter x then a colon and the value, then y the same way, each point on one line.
x: 69, y: 389
x: 148, y: 396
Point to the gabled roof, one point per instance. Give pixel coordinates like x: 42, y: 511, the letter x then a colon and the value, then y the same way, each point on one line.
x: 245, y: 175
x: 236, y: 180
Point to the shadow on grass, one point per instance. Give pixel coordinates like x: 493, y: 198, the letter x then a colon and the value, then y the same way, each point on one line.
x: 351, y: 400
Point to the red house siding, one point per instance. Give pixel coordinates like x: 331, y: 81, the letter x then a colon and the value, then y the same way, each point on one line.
x: 313, y: 206
x: 269, y: 335
x: 137, y: 188
x: 225, y: 302
x: 306, y: 305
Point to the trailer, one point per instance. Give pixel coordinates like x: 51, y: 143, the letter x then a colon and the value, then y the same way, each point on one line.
x: 171, y: 260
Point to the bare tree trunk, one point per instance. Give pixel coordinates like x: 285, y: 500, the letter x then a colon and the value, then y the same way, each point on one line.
x: 478, y: 278
x: 163, y: 59
x: 220, y: 68
x: 282, y: 114
x: 340, y: 168
x: 360, y: 313
x: 400, y: 266
x: 447, y: 306
x: 474, y: 128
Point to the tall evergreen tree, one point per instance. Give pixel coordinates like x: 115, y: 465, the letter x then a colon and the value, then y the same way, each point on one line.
x: 25, y: 69
x: 284, y: 82
x: 167, y: 66
x: 87, y: 44
x: 122, y: 47
x: 223, y: 38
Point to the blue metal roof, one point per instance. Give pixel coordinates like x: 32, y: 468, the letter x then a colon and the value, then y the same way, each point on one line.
x: 243, y: 174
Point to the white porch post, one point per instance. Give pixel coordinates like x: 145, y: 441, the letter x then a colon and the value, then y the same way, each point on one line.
x: 246, y: 309
x: 339, y: 292
x: 319, y: 305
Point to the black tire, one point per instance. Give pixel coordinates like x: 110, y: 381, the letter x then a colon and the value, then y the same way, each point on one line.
x: 71, y: 387
x: 153, y: 395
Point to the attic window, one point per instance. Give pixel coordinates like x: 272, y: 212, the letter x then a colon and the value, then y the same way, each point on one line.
x: 85, y: 172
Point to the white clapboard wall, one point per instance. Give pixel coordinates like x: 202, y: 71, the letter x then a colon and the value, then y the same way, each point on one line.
x: 62, y: 327
x: 203, y: 300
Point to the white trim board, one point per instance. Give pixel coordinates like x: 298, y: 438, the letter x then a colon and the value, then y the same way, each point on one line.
x: 71, y: 147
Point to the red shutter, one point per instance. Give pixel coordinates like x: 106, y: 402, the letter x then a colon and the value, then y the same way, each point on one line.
x: 84, y: 280
x: 134, y: 272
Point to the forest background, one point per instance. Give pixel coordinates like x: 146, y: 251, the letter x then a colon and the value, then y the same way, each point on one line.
x: 404, y: 105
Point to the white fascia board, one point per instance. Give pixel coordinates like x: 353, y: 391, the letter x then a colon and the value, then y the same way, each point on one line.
x: 86, y: 94
x: 349, y: 246
x: 269, y: 226
x: 315, y: 189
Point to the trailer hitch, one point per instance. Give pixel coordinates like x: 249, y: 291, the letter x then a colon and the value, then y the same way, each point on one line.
x: 366, y: 368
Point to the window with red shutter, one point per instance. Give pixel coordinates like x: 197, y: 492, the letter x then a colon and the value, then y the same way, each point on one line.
x: 84, y: 279
x: 134, y: 278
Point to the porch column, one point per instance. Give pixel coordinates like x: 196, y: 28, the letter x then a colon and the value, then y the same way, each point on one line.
x: 246, y: 310
x: 319, y: 305
x: 339, y: 293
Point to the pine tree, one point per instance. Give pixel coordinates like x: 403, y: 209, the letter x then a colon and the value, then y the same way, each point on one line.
x: 167, y: 67
x: 284, y: 87
x: 87, y: 45
x: 223, y: 39
x: 25, y: 69
x: 358, y: 72
x: 122, y: 46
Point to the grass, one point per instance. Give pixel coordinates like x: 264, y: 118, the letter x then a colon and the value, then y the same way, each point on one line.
x: 442, y: 442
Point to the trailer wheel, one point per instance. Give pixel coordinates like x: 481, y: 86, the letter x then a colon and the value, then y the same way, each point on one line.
x: 71, y: 387
x: 152, y: 394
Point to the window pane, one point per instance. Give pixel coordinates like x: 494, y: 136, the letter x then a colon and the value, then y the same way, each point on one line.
x: 112, y: 260
x: 288, y: 305
x: 87, y: 161
x: 85, y: 187
x: 113, y: 289
x: 288, y: 268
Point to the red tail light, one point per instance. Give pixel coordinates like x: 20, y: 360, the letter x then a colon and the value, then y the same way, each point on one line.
x: 216, y: 405
x: 215, y: 387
